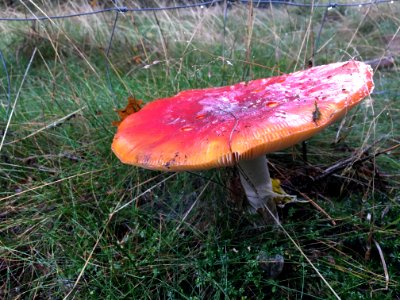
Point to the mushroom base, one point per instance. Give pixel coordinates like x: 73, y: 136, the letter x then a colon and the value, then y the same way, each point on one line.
x: 256, y: 181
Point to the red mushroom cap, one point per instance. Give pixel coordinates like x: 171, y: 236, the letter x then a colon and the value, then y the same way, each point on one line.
x: 207, y: 128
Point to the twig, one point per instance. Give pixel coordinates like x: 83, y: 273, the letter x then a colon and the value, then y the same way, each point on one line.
x: 313, y: 203
x: 384, y: 62
x: 351, y: 161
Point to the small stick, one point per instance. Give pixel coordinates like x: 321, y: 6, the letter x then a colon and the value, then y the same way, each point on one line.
x: 313, y: 203
x: 352, y: 161
x: 384, y: 62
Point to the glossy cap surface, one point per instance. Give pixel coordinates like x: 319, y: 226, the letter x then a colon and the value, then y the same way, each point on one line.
x: 208, y: 128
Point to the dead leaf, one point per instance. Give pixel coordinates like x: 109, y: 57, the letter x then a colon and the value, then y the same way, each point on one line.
x: 137, y: 59
x: 132, y: 107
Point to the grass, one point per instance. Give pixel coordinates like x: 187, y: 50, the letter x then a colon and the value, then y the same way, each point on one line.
x: 76, y: 223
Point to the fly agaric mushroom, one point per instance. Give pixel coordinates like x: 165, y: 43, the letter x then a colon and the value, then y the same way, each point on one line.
x: 238, y: 124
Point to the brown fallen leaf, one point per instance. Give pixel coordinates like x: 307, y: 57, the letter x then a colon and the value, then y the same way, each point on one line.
x: 133, y: 106
x: 137, y: 59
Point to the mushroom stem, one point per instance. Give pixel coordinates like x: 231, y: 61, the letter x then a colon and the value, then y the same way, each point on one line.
x: 256, y: 181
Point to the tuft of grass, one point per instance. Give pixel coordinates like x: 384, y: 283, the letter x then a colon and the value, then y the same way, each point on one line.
x: 76, y: 223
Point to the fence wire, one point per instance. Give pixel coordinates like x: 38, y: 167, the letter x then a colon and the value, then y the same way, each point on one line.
x: 257, y: 3
x: 319, y: 5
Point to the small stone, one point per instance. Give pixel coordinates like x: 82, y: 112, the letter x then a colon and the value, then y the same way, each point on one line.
x: 271, y: 265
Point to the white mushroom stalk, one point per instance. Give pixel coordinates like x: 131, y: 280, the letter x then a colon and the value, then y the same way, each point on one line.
x: 256, y: 181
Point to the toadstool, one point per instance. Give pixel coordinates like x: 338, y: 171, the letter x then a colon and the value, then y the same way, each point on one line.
x: 238, y: 124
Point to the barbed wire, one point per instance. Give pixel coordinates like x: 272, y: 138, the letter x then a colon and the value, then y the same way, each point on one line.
x: 119, y: 9
x: 124, y: 9
x: 319, y: 5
